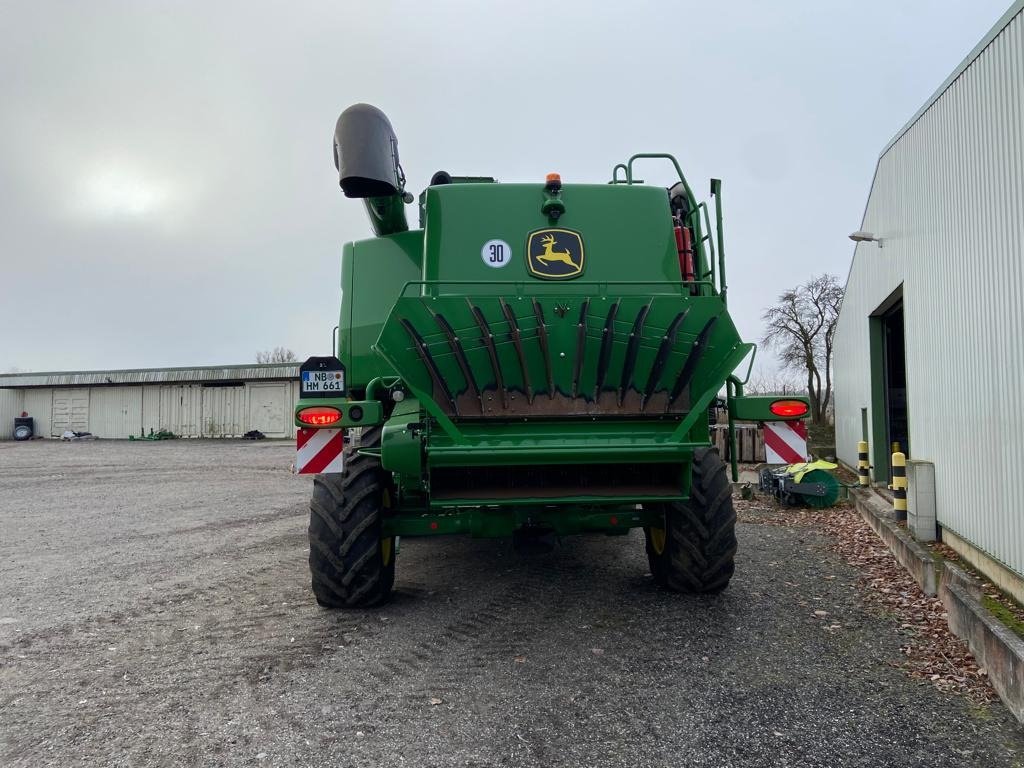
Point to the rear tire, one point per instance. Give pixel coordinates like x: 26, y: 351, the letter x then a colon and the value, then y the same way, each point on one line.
x: 695, y: 551
x: 351, y: 564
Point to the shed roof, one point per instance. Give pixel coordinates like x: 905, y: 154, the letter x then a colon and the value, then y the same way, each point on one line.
x: 189, y: 375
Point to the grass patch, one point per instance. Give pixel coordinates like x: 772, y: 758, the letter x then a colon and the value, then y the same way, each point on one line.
x: 1004, y: 613
x: 1006, y: 610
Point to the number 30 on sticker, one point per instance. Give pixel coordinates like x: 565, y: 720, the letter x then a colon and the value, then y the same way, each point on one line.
x: 496, y: 253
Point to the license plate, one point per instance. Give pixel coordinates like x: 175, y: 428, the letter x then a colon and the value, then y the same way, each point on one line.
x: 318, y: 382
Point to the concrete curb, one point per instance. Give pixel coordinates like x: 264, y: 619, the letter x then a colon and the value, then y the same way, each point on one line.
x: 996, y: 647
x: 911, y: 555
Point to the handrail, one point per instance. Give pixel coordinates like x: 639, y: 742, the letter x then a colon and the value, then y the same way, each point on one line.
x: 711, y: 242
x: 750, y: 368
x: 701, y: 237
x: 716, y: 192
x: 716, y: 267
x: 658, y: 156
x: 617, y: 180
x: 734, y: 389
x: 380, y: 381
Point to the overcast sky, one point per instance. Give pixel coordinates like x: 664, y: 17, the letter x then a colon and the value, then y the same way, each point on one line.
x: 168, y: 197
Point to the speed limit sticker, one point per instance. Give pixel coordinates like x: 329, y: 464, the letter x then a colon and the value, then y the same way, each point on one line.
x: 496, y: 253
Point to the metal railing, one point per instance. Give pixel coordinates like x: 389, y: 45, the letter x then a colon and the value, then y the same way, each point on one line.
x: 715, y: 273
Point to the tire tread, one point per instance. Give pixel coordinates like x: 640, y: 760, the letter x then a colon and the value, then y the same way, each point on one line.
x: 700, y: 547
x: 345, y: 561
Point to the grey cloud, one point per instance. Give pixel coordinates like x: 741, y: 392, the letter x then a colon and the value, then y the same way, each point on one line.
x: 166, y: 189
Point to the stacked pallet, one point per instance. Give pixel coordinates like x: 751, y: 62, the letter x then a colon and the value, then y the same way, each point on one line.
x: 749, y: 442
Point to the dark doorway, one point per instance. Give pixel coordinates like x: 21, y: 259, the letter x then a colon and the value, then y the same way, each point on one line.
x: 896, y: 415
x: 890, y: 417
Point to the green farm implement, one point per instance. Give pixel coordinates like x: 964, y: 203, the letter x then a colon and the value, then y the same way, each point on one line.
x: 809, y: 483
x: 534, y: 359
x: 163, y: 434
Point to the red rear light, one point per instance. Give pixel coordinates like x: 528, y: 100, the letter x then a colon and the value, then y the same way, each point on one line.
x: 319, y: 415
x: 788, y: 409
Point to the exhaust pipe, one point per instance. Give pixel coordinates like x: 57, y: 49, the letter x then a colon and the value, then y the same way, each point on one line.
x: 366, y: 156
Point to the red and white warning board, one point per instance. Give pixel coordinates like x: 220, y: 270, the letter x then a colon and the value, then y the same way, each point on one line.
x: 319, y: 451
x: 785, y: 442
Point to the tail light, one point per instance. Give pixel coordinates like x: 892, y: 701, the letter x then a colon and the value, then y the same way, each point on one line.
x: 319, y: 415
x: 789, y: 409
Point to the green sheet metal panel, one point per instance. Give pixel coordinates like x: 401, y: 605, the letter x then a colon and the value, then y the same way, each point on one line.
x: 626, y: 230
x: 373, y: 273
x: 567, y: 361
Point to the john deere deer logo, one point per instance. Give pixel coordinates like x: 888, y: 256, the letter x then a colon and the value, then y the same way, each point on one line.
x: 555, y: 254
x: 550, y: 254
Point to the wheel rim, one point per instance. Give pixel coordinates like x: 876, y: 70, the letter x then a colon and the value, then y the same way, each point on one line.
x: 657, y: 536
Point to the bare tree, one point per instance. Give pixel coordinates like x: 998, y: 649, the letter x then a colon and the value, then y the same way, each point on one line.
x: 276, y: 355
x: 778, y: 383
x: 801, y: 328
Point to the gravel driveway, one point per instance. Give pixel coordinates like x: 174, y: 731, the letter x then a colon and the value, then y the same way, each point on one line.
x: 155, y: 610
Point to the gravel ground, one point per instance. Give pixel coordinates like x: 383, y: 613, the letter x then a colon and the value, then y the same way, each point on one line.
x: 154, y: 610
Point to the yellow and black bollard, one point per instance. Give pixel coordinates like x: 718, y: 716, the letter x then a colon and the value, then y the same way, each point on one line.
x: 899, y: 485
x: 863, y: 475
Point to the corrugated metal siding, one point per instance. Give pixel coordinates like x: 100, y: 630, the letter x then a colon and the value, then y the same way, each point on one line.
x: 150, y: 409
x: 292, y: 429
x: 115, y: 412
x: 39, y: 405
x: 10, y: 406
x: 181, y: 410
x: 270, y: 371
x: 224, y: 411
x: 190, y: 410
x: 948, y: 201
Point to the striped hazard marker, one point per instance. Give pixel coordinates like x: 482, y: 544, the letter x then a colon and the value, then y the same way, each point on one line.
x: 319, y: 451
x: 785, y: 442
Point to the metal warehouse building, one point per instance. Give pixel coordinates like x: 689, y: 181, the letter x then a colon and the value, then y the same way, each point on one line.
x: 929, y: 349
x: 191, y: 402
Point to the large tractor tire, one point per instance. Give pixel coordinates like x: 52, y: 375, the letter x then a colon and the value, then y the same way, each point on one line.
x: 352, y: 565
x: 695, y: 550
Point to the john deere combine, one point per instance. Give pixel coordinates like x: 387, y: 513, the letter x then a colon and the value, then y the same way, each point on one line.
x: 534, y: 360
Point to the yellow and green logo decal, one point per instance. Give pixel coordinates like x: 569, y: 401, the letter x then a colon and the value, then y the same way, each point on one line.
x: 555, y: 254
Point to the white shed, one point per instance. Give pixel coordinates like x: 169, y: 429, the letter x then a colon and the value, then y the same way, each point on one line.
x: 214, y: 401
x: 929, y: 349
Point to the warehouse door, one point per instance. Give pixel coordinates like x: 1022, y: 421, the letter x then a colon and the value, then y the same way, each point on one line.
x: 890, y: 411
x: 70, y: 411
x: 897, y: 418
x: 115, y: 411
x: 268, y: 408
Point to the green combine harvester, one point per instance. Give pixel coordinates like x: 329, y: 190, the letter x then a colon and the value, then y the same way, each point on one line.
x: 535, y: 360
